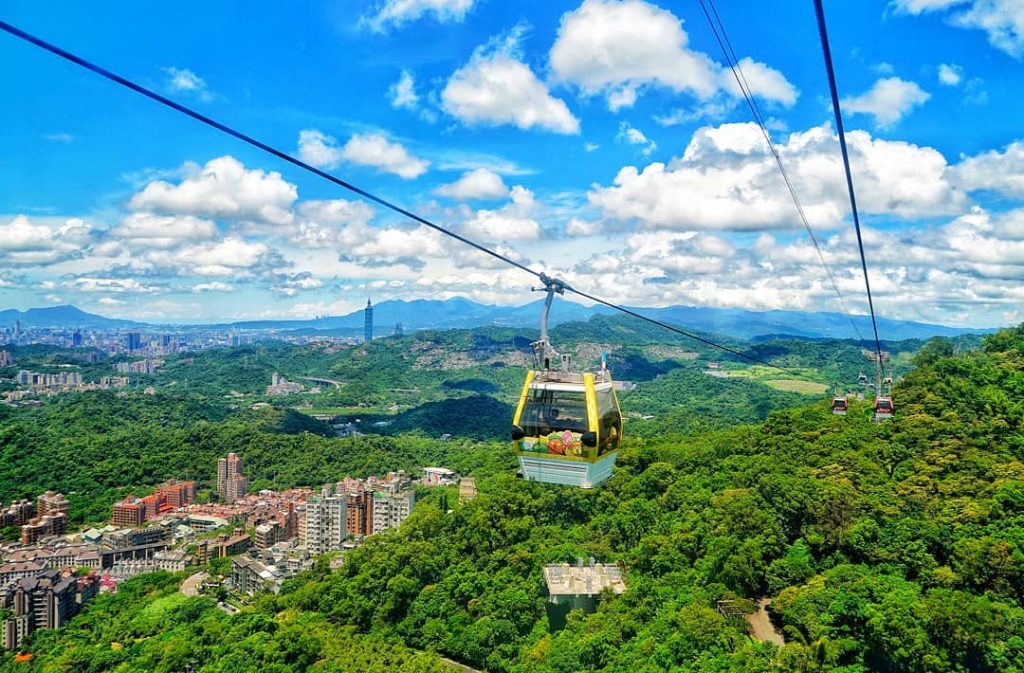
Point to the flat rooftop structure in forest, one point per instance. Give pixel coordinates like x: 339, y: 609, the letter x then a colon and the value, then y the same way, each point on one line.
x: 583, y: 580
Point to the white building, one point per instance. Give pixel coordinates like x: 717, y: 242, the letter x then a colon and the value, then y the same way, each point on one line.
x: 439, y: 476
x: 390, y: 509
x: 326, y: 521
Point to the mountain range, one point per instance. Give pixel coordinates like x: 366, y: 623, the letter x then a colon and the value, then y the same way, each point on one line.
x: 461, y: 313
x: 61, y: 316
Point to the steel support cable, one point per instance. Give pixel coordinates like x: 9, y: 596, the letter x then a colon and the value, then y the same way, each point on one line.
x: 138, y: 88
x: 834, y: 91
x: 677, y: 330
x: 725, y: 44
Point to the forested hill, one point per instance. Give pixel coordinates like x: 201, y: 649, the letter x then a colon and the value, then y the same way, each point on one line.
x: 894, y: 546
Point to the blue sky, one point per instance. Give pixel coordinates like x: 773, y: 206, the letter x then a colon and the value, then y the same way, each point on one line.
x: 599, y: 140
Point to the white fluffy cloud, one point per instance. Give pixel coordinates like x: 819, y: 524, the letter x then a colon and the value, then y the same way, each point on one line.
x: 634, y: 136
x: 27, y: 243
x: 232, y: 256
x: 146, y: 230
x: 513, y: 221
x: 727, y: 180
x: 291, y: 285
x: 761, y: 81
x: 215, y: 286
x: 112, y: 285
x: 321, y: 223
x: 950, y: 74
x: 580, y: 227
x: 365, y: 149
x: 183, y: 80
x: 476, y: 184
x: 496, y: 88
x: 403, y: 92
x: 1002, y: 20
x: 995, y: 170
x: 615, y: 48
x: 222, y: 189
x: 888, y: 101
x: 970, y: 266
x: 389, y: 246
x: 397, y: 12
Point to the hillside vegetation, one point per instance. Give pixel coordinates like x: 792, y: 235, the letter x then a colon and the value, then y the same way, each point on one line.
x: 893, y: 546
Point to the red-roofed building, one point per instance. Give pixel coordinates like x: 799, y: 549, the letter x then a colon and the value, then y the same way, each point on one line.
x: 178, y: 493
x: 129, y: 512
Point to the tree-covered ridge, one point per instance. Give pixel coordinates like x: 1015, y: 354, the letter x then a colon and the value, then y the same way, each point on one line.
x: 148, y: 627
x: 97, y: 447
x: 894, y: 546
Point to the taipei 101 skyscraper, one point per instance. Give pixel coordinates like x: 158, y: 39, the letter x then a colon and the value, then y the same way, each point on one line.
x: 368, y: 321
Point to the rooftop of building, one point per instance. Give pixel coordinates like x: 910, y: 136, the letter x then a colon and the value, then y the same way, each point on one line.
x: 583, y: 579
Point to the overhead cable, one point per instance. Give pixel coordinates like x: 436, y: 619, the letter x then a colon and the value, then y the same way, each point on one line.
x: 209, y: 121
x: 722, y: 37
x: 834, y: 91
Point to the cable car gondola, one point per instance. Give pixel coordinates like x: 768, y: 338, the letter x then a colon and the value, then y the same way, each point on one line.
x: 567, y: 425
x: 839, y: 405
x: 862, y: 379
x: 883, y: 408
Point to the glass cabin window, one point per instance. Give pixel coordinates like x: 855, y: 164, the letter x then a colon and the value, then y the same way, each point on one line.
x: 548, y: 411
x: 609, y: 422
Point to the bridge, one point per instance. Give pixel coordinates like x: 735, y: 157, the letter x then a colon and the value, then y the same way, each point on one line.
x: 336, y: 384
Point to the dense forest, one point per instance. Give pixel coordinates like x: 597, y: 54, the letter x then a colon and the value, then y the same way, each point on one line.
x: 894, y: 546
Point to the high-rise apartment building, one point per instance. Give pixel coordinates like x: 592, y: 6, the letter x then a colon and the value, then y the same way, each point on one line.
x: 231, y: 483
x: 51, y: 518
x: 391, y: 508
x: 360, y: 513
x: 326, y: 521
x: 52, y: 503
x: 5, y: 359
x: 18, y: 513
x: 129, y: 513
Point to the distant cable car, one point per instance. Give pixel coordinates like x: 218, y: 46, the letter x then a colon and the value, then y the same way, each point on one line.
x: 839, y: 405
x: 862, y: 379
x: 567, y: 425
x: 883, y: 408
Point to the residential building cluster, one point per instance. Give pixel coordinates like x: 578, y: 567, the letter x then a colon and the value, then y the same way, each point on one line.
x: 355, y: 508
x: 265, y: 569
x: 17, y: 513
x: 45, y: 600
x: 51, y: 518
x: 252, y: 510
x: 289, y: 528
x: 279, y: 385
x: 60, y: 379
x: 170, y: 495
x: 33, y: 384
x: 231, y: 483
x: 146, y: 366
